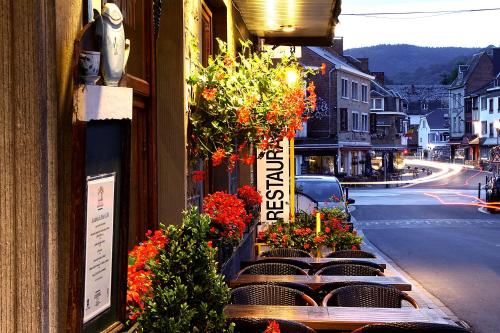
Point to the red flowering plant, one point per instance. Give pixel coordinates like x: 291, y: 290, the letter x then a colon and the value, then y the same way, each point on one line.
x: 302, y: 234
x: 248, y: 99
x: 252, y: 199
x: 141, y: 259
x: 228, y: 217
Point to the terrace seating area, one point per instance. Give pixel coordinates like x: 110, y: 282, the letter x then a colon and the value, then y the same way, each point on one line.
x: 343, y: 291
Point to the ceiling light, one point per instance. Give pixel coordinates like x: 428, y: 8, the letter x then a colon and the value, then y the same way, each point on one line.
x: 288, y: 28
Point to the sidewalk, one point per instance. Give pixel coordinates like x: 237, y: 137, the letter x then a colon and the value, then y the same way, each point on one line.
x: 423, y: 298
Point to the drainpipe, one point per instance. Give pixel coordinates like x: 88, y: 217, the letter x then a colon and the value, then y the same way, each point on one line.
x: 330, y: 113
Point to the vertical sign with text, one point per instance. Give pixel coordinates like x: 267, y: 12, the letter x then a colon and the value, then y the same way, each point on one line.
x: 99, y: 245
x: 273, y: 182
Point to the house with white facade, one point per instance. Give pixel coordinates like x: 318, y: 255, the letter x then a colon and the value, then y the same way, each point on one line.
x: 433, y: 135
x: 485, y: 104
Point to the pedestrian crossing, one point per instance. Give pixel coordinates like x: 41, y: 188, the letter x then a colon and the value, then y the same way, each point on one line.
x: 425, y: 223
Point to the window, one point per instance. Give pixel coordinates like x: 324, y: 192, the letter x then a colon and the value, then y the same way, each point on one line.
x: 490, y: 103
x: 344, y: 88
x: 364, y: 122
x: 491, y: 130
x: 354, y: 91
x: 364, y: 93
x: 377, y: 104
x: 484, y: 128
x: 343, y: 119
x: 483, y: 103
x: 498, y: 104
x: 355, y: 121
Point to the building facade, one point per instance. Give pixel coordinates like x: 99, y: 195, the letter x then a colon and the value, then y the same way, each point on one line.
x: 337, y: 138
x: 481, y: 69
x: 42, y: 146
x: 390, y: 122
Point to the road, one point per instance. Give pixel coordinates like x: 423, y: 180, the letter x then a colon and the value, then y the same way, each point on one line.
x: 437, y: 234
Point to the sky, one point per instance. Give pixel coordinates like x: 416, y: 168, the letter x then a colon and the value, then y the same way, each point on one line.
x: 478, y: 29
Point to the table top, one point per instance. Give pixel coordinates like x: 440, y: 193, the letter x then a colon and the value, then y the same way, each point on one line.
x: 317, y: 262
x: 315, y: 281
x: 335, y: 318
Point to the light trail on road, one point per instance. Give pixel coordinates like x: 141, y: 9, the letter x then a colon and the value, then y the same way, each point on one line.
x: 477, y: 202
x: 446, y: 170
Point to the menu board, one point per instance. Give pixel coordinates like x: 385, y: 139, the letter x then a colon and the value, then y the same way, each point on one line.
x: 99, y: 245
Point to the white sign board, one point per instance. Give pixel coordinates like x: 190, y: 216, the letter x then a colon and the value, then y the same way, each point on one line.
x: 273, y: 182
x: 99, y: 246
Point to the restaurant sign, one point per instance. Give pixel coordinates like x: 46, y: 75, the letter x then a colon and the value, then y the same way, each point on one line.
x: 273, y: 182
x: 99, y: 245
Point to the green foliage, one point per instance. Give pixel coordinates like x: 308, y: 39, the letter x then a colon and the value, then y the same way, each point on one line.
x: 188, y: 294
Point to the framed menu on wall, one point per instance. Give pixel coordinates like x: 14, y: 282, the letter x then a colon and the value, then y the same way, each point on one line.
x: 99, y: 245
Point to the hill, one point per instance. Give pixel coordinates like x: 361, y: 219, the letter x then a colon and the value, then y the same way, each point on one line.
x: 409, y: 64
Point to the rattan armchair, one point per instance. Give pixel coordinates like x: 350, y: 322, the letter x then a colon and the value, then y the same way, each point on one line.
x: 294, y: 285
x: 291, y: 261
x: 411, y: 328
x: 368, y: 296
x: 326, y: 288
x: 286, y: 252
x: 353, y: 262
x: 270, y: 295
x: 350, y: 254
x: 252, y: 325
x: 349, y: 269
x: 273, y: 268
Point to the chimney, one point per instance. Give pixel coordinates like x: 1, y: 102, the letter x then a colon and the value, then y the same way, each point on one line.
x: 364, y: 65
x: 496, y: 61
x: 379, y: 77
x: 338, y: 45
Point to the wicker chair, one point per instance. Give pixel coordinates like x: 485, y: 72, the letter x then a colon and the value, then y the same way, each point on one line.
x: 350, y: 254
x: 298, y: 286
x: 291, y: 261
x: 251, y: 325
x: 272, y: 268
x: 326, y: 288
x: 270, y: 295
x: 286, y: 252
x: 411, y: 327
x: 349, y: 269
x: 353, y: 262
x: 368, y: 296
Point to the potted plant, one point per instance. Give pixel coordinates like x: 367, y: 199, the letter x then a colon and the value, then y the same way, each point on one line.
x: 182, y: 291
x: 250, y: 99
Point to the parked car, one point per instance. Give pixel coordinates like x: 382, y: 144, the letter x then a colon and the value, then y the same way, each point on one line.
x: 322, y: 191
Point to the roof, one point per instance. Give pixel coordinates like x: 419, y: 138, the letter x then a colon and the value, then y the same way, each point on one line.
x: 436, y: 119
x: 466, y: 71
x: 339, y: 63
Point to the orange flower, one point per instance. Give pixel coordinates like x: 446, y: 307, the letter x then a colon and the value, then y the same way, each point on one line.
x: 243, y: 115
x: 323, y: 69
x: 228, y: 60
x: 209, y: 94
x: 218, y: 156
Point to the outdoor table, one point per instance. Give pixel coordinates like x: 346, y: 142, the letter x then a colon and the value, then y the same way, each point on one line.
x: 335, y: 318
x: 315, y: 281
x: 318, y: 262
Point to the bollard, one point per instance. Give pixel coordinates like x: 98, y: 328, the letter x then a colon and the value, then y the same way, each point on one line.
x: 479, y: 191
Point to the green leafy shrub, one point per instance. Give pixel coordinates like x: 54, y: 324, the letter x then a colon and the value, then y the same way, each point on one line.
x: 187, y: 293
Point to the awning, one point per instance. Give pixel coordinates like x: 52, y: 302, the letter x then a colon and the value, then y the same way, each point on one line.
x: 320, y: 146
x: 474, y: 142
x: 284, y: 22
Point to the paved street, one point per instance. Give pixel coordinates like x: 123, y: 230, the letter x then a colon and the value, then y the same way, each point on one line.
x: 438, y: 237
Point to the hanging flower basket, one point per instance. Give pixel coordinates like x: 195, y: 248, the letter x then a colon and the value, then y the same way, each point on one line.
x: 243, y: 101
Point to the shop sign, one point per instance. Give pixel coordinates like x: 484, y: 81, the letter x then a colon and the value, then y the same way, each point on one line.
x: 273, y: 182
x: 99, y: 245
